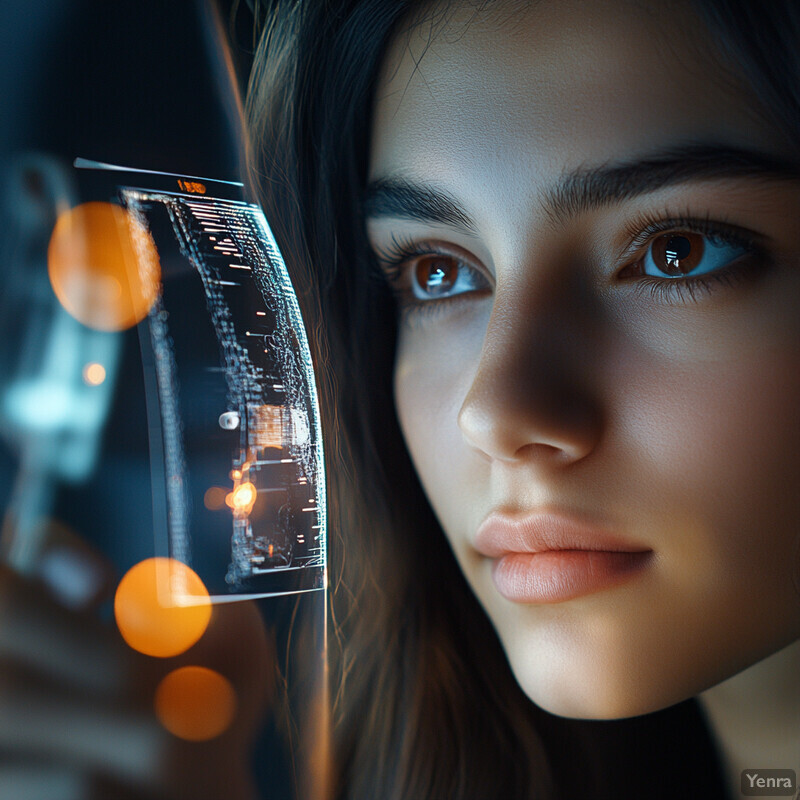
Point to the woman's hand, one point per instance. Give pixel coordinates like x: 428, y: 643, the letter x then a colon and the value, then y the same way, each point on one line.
x: 77, y: 713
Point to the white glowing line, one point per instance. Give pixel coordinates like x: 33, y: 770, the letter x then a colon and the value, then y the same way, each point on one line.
x: 87, y: 163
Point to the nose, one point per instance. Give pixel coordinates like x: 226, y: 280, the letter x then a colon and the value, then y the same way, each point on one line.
x: 532, y: 396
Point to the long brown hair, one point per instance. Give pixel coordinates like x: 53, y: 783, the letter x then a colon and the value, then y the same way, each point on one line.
x: 424, y: 704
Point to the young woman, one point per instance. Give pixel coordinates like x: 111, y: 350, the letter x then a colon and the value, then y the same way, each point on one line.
x: 548, y: 256
x: 550, y: 251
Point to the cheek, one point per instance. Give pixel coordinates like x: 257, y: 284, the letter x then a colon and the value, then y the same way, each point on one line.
x: 704, y: 458
x: 710, y: 428
x: 719, y: 450
x: 729, y: 434
x: 433, y: 372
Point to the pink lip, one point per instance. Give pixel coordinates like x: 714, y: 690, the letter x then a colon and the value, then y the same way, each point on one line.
x: 549, y: 558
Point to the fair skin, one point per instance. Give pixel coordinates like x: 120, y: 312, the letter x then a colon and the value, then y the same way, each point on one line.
x: 540, y: 370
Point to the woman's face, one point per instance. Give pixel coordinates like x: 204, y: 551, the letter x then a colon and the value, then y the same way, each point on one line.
x: 599, y: 349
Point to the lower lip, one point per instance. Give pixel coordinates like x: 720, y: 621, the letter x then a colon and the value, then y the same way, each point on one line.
x: 557, y: 575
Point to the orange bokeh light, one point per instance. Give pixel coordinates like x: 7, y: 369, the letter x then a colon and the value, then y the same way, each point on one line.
x: 214, y: 498
x: 195, y: 703
x: 162, y: 607
x: 94, y: 374
x: 103, y: 266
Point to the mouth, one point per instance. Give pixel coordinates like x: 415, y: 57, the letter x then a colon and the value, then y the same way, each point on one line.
x: 553, y: 557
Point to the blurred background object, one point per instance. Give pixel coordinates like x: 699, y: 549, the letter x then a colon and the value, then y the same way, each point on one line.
x: 129, y: 83
x: 147, y: 85
x: 58, y: 375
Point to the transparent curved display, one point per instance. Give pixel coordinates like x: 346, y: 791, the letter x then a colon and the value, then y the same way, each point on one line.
x: 235, y: 440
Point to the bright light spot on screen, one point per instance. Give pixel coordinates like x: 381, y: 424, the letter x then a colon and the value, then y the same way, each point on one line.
x: 242, y: 498
x: 148, y: 609
x: 195, y: 703
x: 94, y: 374
x: 103, y: 266
x: 302, y: 432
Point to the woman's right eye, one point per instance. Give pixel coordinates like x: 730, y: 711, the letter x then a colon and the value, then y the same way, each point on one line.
x: 436, y: 276
x: 420, y: 273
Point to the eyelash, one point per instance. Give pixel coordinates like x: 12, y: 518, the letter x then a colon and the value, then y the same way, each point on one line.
x: 641, y: 231
x: 392, y: 260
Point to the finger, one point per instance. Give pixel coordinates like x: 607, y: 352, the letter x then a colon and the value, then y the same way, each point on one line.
x: 37, y: 781
x: 75, y: 573
x: 117, y: 748
x: 78, y: 732
x: 40, y: 633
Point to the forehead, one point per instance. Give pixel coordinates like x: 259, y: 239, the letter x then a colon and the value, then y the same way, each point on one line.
x: 504, y: 94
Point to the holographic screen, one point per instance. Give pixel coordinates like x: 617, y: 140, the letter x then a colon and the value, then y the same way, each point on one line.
x: 235, y: 441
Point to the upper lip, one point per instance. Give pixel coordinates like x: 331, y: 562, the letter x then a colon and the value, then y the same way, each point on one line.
x: 502, y: 533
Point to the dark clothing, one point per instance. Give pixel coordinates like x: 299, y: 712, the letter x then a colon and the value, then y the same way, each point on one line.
x: 661, y: 756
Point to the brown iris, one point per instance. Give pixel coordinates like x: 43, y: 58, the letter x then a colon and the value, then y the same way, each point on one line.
x: 678, y: 253
x: 435, y: 274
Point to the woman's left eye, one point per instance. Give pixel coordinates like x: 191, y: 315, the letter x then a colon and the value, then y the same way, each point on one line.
x: 684, y: 254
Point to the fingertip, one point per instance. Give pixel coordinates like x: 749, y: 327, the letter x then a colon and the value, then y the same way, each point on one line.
x: 75, y: 580
x: 75, y: 574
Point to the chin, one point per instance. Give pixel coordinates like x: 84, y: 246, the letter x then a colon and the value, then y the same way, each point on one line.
x: 603, y: 706
x: 598, y: 708
x: 600, y: 697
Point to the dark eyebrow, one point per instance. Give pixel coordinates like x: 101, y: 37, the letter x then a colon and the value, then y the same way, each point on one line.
x: 586, y: 188
x: 398, y: 197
